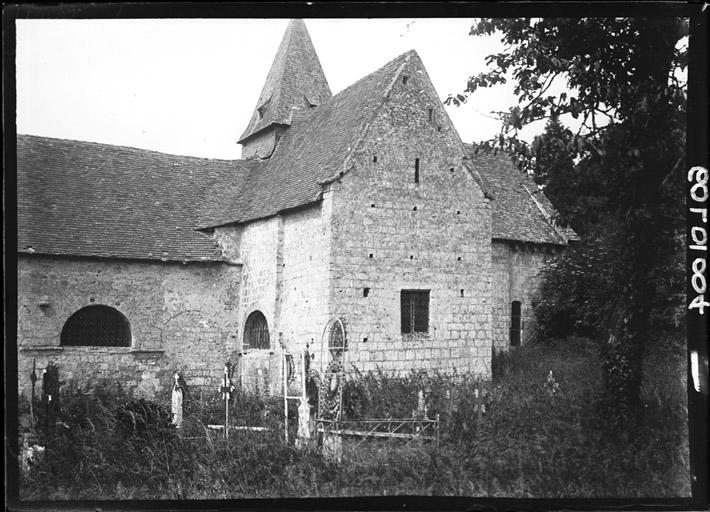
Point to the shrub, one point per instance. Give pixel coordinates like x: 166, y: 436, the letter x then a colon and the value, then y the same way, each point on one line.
x: 577, y: 291
x: 530, y: 443
x: 141, y: 418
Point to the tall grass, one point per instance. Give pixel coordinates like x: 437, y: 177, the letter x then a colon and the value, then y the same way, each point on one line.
x: 528, y: 444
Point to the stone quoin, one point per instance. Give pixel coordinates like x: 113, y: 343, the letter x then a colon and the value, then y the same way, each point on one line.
x: 364, y: 205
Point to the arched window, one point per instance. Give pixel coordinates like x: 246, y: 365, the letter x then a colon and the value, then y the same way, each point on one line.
x: 337, y: 340
x: 256, y: 331
x: 97, y: 326
x: 516, y: 327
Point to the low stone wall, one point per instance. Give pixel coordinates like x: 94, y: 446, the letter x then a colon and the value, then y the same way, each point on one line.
x: 182, y: 318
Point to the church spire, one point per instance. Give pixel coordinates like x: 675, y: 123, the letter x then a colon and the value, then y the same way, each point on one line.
x: 295, y: 81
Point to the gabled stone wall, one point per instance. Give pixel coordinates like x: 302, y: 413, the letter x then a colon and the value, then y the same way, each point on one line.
x: 392, y: 234
x: 285, y: 277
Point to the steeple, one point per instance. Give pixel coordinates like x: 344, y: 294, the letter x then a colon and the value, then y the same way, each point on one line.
x: 295, y: 81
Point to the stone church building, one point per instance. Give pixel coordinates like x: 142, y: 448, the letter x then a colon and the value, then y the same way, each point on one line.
x: 364, y: 205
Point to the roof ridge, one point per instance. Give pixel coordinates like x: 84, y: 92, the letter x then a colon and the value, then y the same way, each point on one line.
x: 546, y: 215
x: 128, y: 148
x: 358, y: 82
x: 62, y: 183
x: 521, y: 211
x: 295, y: 75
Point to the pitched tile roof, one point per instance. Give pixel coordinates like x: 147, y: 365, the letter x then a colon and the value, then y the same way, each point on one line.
x: 296, y: 80
x: 86, y: 198
x: 312, y: 151
x: 520, y: 210
x: 89, y: 199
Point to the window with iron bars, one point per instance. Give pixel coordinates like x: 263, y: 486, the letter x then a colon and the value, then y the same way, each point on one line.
x: 415, y: 311
x: 96, y: 326
x: 256, y: 332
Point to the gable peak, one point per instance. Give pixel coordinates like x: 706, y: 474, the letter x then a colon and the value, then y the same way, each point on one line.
x: 295, y: 81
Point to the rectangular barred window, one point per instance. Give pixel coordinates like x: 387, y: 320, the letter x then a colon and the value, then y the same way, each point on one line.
x: 415, y: 311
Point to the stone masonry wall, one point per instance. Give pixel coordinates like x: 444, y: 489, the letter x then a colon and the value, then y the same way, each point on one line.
x: 392, y: 234
x: 182, y: 317
x: 516, y: 276
x: 285, y: 276
x: 305, y: 277
x: 256, y: 246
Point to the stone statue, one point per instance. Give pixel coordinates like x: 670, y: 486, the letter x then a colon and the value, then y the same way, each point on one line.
x: 177, y: 398
x: 303, y: 435
x: 50, y: 392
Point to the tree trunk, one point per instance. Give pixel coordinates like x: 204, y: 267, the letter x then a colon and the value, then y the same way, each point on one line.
x: 628, y: 328
x: 623, y: 348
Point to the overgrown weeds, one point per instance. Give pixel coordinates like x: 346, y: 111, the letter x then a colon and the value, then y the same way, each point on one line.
x: 530, y: 442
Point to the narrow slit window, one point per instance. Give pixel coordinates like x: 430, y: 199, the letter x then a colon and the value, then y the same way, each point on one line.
x: 416, y: 170
x: 516, y: 325
x: 431, y: 115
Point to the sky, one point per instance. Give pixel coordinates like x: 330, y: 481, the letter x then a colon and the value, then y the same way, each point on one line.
x: 189, y: 86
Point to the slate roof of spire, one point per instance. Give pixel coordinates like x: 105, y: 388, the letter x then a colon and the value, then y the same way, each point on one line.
x: 296, y: 80
x: 90, y: 199
x: 520, y: 210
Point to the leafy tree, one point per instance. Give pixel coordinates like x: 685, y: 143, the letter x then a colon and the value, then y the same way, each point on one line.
x: 553, y: 162
x: 623, y: 86
x: 575, y: 292
x: 574, y: 190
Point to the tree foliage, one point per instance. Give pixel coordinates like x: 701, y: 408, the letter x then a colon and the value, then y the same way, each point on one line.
x: 575, y: 292
x: 617, y: 180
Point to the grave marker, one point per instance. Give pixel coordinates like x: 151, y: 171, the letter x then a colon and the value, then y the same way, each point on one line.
x: 177, y: 398
x: 50, y: 392
x: 226, y: 389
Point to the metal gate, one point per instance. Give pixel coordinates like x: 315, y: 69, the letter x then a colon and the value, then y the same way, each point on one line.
x: 333, y: 352
x: 293, y: 377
